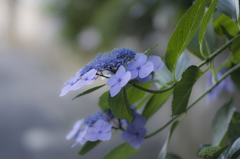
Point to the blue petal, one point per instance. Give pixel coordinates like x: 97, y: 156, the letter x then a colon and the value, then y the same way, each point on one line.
x: 65, y: 90
x: 146, y: 69
x: 125, y: 78
x: 142, y: 59
x: 145, y: 80
x: 104, y: 136
x: 92, y: 134
x: 120, y: 72
x: 115, y: 89
x: 136, y: 142
x: 127, y: 137
x: 112, y: 80
x: 157, y: 62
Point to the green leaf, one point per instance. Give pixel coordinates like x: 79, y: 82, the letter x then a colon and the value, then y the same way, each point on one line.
x: 88, y: 146
x: 163, y: 152
x: 230, y: 8
x: 234, y: 151
x: 165, y: 76
x: 183, y: 89
x: 236, y: 50
x: 89, y: 91
x: 121, y: 152
x: 183, y: 33
x: 172, y: 156
x: 203, y: 27
x: 221, y: 121
x: 149, y: 50
x: 227, y: 23
x: 119, y: 105
x: 235, y: 76
x: 134, y: 94
x: 211, y: 152
x: 155, y: 103
x: 233, y: 132
x: 210, y: 44
x: 226, y: 33
x: 103, y: 101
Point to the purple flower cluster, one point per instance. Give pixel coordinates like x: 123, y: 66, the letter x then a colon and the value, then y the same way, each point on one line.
x: 102, y: 62
x: 135, y: 132
x: 138, y: 66
x: 96, y: 127
x: 225, y: 85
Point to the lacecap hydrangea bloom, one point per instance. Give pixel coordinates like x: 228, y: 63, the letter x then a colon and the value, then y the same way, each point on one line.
x: 123, y: 64
x: 225, y: 85
x: 98, y: 127
x: 95, y: 127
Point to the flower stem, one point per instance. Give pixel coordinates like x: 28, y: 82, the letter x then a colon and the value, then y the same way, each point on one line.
x: 195, y: 101
x: 152, y: 91
x: 213, y: 55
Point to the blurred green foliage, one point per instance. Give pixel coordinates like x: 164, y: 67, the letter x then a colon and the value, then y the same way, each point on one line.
x: 111, y: 18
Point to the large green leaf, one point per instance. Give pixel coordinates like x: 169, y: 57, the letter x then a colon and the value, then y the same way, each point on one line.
x: 89, y: 91
x: 163, y: 152
x: 233, y: 132
x: 183, y: 89
x: 103, y: 101
x: 134, y: 94
x: 209, y: 43
x: 88, y: 146
x: 234, y: 151
x: 165, y: 76
x: 206, y: 19
x: 183, y: 33
x: 155, y: 103
x: 119, y: 105
x: 121, y: 152
x: 221, y: 121
x: 172, y: 156
x: 235, y: 76
x: 236, y: 50
x: 227, y: 23
x: 230, y: 8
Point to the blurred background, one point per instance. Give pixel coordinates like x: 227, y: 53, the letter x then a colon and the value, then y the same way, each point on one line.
x: 44, y: 43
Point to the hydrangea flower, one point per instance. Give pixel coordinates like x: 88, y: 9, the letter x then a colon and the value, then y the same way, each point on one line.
x: 101, y: 130
x: 225, y: 85
x: 119, y: 80
x: 75, y: 129
x: 80, y: 136
x: 110, y: 61
x: 141, y: 67
x: 97, y: 121
x: 135, y: 132
x: 77, y: 82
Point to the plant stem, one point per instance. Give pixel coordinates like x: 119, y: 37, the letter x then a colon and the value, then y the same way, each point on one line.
x: 213, y: 55
x: 152, y: 91
x: 198, y: 98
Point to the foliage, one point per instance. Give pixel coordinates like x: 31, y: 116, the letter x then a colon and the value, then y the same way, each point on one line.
x: 130, y: 76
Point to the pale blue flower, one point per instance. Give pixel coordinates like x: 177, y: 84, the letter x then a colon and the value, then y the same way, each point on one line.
x: 119, y: 80
x: 75, y: 130
x: 140, y: 67
x: 101, y: 130
x: 225, y: 85
x: 135, y: 132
